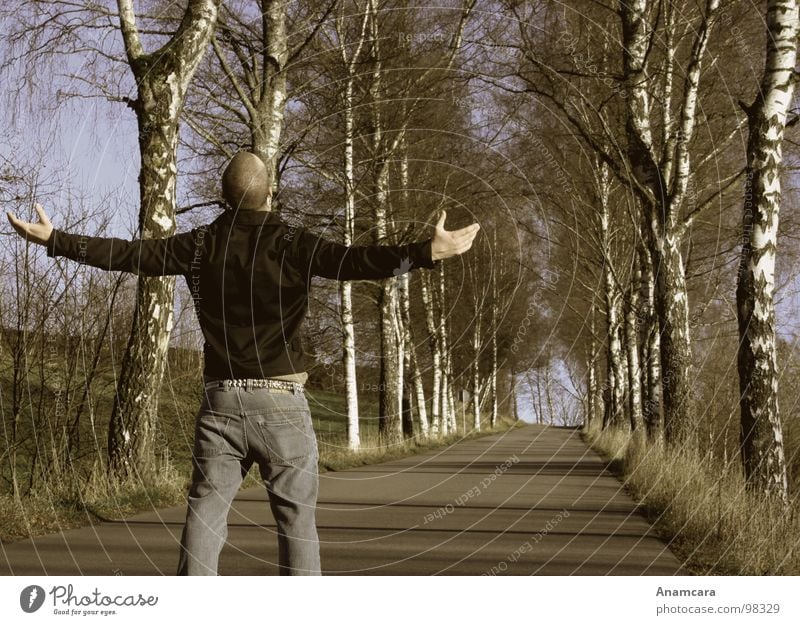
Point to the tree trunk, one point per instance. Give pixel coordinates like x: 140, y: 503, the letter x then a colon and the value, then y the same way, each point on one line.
x: 345, y: 287
x: 419, y: 394
x: 672, y: 308
x: 476, y: 381
x: 401, y: 283
x: 162, y: 79
x: 351, y: 379
x: 448, y: 416
x: 493, y: 371
x: 349, y: 358
x: 435, y: 347
x: 591, y: 373
x: 476, y: 356
x: 389, y: 421
x: 404, y: 313
x: 412, y: 366
x: 514, y: 403
x: 651, y: 346
x: 632, y: 348
x: 404, y: 322
x: 410, y: 358
x: 760, y: 435
x: 271, y: 87
x: 616, y: 370
x: 661, y: 183
x: 389, y: 417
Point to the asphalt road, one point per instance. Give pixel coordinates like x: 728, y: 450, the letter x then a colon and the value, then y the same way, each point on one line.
x: 533, y: 501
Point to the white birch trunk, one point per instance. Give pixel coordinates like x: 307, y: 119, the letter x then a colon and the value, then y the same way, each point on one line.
x: 477, y: 341
x: 661, y: 181
x: 451, y: 394
x: 162, y: 79
x: 617, y: 374
x: 448, y: 411
x: 433, y: 340
x: 401, y: 340
x: 493, y: 372
x: 271, y: 105
x: 651, y: 349
x: 514, y: 404
x: 632, y: 349
x: 761, y: 435
x: 476, y: 354
x: 390, y: 400
x: 591, y: 390
x: 411, y: 364
x: 345, y: 287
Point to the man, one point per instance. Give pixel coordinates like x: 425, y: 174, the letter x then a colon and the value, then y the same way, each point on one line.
x: 249, y: 273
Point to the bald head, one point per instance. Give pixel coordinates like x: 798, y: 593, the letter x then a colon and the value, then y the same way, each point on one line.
x: 246, y: 182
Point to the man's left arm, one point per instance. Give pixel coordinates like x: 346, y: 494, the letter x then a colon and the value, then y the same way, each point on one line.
x: 330, y: 259
x: 320, y: 257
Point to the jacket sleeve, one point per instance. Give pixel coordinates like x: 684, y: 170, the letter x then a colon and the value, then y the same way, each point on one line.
x: 145, y: 257
x: 321, y: 257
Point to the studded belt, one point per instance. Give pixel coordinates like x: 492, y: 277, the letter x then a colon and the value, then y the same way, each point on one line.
x: 249, y: 383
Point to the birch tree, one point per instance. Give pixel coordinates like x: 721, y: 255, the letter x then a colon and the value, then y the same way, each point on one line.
x: 410, y: 365
x: 661, y: 175
x: 650, y: 348
x: 651, y: 155
x: 162, y: 78
x: 259, y: 46
x: 350, y: 61
x: 616, y: 374
x: 631, y: 304
x: 477, y: 344
x: 436, y: 353
x: 384, y: 145
x: 761, y: 433
x: 253, y: 49
x: 592, y: 357
x: 494, y: 323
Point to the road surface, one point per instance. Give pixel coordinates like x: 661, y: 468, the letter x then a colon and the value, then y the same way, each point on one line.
x: 531, y: 501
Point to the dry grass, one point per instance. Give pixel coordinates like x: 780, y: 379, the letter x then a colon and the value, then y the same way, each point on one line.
x: 700, y: 505
x: 66, y: 502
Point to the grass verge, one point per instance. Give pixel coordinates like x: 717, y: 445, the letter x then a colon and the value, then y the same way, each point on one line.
x: 699, y: 504
x: 62, y: 505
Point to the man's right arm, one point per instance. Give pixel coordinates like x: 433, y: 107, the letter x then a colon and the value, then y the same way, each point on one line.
x: 146, y: 257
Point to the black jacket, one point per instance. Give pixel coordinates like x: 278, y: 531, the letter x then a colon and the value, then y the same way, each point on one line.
x: 248, y: 274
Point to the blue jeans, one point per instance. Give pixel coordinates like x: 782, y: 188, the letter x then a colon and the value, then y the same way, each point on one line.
x: 234, y: 428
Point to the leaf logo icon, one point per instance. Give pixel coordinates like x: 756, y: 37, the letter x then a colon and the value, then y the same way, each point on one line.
x: 31, y: 598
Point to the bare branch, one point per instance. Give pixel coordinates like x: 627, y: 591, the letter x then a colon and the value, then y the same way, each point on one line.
x: 130, y: 35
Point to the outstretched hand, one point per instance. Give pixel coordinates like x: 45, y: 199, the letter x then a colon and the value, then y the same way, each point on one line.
x: 446, y: 244
x: 37, y: 233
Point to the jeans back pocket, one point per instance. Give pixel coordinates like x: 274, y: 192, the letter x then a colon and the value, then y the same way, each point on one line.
x: 214, y: 434
x: 288, y: 436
